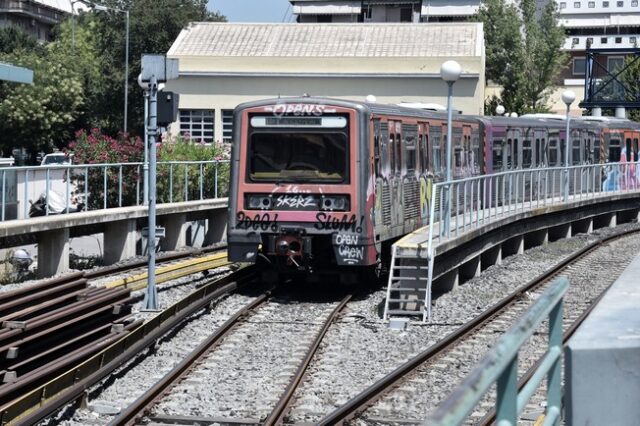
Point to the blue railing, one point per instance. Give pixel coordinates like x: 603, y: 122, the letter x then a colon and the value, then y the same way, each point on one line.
x: 84, y: 187
x: 501, y: 366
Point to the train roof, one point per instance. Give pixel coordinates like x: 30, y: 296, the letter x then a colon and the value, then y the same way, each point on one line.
x: 532, y: 120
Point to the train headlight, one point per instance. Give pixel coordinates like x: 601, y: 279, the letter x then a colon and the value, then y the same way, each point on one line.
x: 338, y: 203
x: 259, y: 202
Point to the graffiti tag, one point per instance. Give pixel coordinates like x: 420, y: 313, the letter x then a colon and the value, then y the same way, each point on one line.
x: 262, y: 221
x: 329, y: 222
x: 295, y: 201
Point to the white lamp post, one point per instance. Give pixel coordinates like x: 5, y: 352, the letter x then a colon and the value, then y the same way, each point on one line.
x: 126, y: 56
x: 450, y: 72
x: 499, y: 110
x: 567, y: 97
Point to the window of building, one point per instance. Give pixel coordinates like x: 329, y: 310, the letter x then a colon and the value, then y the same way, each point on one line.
x: 632, y: 40
x: 618, y: 40
x: 575, y: 41
x: 579, y: 66
x: 563, y: 5
x: 620, y: 4
x: 605, y: 4
x: 615, y: 63
x: 576, y: 5
x: 589, y: 41
x: 592, y: 4
x: 406, y: 14
x: 634, y: 3
x: 227, y: 125
x: 323, y: 18
x: 198, y: 124
x: 603, y: 40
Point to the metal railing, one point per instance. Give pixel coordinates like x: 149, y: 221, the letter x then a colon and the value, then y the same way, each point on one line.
x: 479, y: 200
x: 501, y: 365
x: 84, y: 187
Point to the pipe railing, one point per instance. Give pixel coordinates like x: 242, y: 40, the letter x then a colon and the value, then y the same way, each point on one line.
x: 479, y: 200
x: 500, y: 366
x: 83, y: 187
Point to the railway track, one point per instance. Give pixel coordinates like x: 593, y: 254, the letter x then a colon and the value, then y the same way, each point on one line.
x: 426, y: 379
x: 169, y: 401
x: 50, y: 328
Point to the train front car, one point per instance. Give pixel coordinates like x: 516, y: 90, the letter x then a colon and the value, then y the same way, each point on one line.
x: 300, y: 199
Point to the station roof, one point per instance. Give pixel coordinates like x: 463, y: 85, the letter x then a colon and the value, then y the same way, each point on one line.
x: 329, y: 48
x: 329, y: 40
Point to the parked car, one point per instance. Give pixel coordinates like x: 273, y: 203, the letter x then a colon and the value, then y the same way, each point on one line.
x: 56, y: 158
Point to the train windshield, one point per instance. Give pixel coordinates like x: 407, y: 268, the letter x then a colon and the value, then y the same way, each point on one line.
x: 298, y: 155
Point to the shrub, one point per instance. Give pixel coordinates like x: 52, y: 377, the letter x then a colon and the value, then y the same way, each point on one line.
x: 185, y: 179
x: 97, y: 148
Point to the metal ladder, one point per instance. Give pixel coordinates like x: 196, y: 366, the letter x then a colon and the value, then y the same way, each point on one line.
x: 409, y: 286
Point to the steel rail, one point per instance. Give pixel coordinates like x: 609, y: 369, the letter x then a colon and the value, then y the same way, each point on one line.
x: 489, y: 418
x: 71, y: 385
x: 277, y: 414
x: 141, y: 406
x: 369, y: 396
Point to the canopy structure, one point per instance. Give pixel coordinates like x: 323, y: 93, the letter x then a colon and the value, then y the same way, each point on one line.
x: 15, y: 74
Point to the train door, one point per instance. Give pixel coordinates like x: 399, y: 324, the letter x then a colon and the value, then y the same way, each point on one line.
x: 468, y: 159
x: 476, y: 150
x: 526, y: 149
x: 395, y: 140
x: 575, y: 154
x: 380, y: 132
x: 435, y: 137
x: 540, y: 148
x: 410, y: 182
x: 425, y: 172
x: 384, y: 169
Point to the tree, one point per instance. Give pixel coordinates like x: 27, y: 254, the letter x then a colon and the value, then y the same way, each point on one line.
x: 154, y: 26
x: 631, y: 79
x: 522, y: 53
x: 39, y: 115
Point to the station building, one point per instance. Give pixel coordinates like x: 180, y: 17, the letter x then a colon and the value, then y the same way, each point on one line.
x: 225, y: 64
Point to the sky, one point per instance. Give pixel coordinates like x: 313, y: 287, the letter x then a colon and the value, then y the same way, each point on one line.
x: 253, y: 10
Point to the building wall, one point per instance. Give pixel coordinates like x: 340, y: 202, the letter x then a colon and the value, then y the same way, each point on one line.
x: 222, y: 93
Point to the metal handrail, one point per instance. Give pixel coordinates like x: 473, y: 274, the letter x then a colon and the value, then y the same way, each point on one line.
x: 109, y: 184
x: 501, y: 365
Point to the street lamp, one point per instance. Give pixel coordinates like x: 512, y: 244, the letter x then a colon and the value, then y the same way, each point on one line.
x: 567, y: 97
x: 450, y: 72
x: 126, y: 55
x: 499, y: 110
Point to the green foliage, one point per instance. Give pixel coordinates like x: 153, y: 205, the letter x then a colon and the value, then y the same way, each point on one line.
x: 12, y: 38
x: 174, y: 176
x: 522, y: 53
x: 40, y: 115
x: 97, y: 148
x: 631, y: 79
x: 153, y: 27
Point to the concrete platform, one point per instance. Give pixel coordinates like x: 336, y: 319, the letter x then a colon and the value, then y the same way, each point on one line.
x: 602, y: 359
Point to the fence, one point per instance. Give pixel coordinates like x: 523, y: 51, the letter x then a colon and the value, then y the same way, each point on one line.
x: 479, y: 200
x: 501, y: 365
x: 85, y: 187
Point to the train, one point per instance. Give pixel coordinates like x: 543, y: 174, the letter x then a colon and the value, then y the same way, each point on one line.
x: 321, y: 184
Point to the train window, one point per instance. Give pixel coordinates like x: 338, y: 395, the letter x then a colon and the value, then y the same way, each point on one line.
x: 629, y: 151
x: 476, y: 158
x: 297, y: 155
x: 635, y: 150
x: 497, y: 155
x: 398, y: 149
x: 526, y: 153
x: 458, y: 156
x: 553, y: 153
x: 392, y: 154
x: 538, y: 152
x: 588, y: 159
x: 437, y: 159
x: 424, y: 153
x: 410, y: 145
x: 563, y: 150
x: 614, y: 150
x: 575, y: 152
x: 376, y: 154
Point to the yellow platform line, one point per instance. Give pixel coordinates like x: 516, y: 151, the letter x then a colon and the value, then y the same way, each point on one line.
x: 172, y: 272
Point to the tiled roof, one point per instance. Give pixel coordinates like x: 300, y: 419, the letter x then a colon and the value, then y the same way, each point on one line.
x: 329, y: 40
